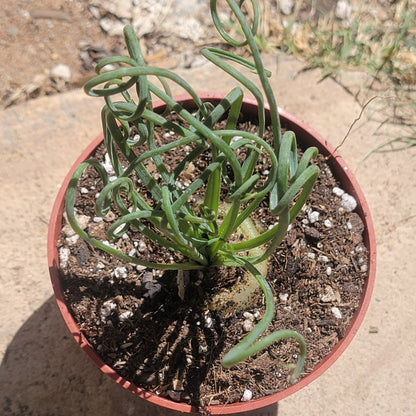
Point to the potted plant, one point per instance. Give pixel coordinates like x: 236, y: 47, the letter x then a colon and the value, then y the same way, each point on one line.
x: 180, y: 210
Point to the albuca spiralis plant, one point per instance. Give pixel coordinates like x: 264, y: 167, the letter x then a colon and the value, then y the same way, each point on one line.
x: 232, y: 189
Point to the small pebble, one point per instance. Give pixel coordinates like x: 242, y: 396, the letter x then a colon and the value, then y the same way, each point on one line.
x: 313, y: 216
x: 284, y: 297
x: 328, y: 271
x: 152, y: 289
x: 64, y: 253
x: 73, y: 239
x: 286, y: 6
x: 343, y: 10
x: 336, y: 312
x: 83, y: 191
x: 125, y: 315
x: 248, y: 325
x: 181, y: 185
x: 247, y: 396
x: 142, y: 247
x: 107, y: 308
x: 147, y: 277
x: 120, y: 272
x: 111, y: 27
x: 328, y: 223
x: 61, y: 71
x: 338, y: 191
x: 348, y: 202
x: 312, y: 232
x: 359, y: 249
x: 328, y: 295
x: 208, y: 322
x: 249, y: 316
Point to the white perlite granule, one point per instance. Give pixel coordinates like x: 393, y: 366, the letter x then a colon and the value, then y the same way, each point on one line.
x: 120, y: 272
x: 247, y: 395
x: 284, y: 297
x: 348, y: 202
x: 106, y: 309
x: 125, y: 315
x: 338, y: 191
x: 328, y: 223
x: 64, y: 253
x: 152, y: 289
x: 313, y: 216
x: 336, y: 312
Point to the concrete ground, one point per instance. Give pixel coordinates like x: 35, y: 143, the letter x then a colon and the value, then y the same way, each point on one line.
x: 42, y: 370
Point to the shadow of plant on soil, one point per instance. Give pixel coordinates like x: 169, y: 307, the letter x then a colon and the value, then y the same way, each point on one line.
x: 45, y: 373
x: 167, y: 346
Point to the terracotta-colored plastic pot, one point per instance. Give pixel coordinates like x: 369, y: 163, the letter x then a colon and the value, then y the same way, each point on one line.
x: 307, y: 137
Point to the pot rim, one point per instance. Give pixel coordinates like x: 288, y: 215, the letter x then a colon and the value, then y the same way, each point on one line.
x: 349, y: 184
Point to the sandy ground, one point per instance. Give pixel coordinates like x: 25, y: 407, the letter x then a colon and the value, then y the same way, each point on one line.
x: 42, y: 370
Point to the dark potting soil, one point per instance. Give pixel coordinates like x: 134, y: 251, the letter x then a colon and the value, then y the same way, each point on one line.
x: 138, y: 324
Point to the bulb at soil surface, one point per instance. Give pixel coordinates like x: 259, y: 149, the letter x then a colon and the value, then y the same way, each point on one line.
x: 242, y: 295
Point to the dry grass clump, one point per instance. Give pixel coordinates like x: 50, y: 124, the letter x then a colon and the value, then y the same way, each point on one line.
x: 372, y: 43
